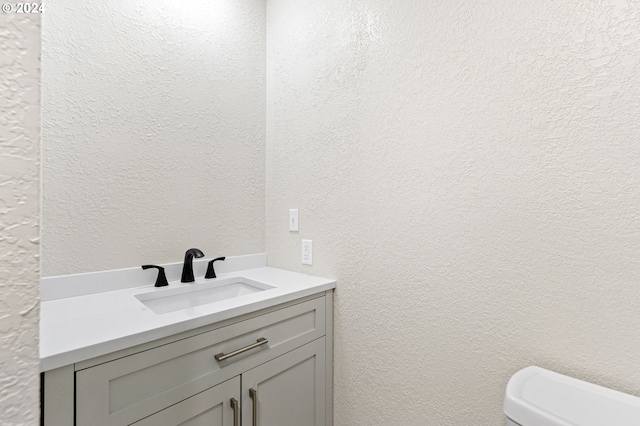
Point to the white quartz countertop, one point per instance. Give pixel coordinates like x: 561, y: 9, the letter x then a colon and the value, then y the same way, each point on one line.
x: 75, y: 329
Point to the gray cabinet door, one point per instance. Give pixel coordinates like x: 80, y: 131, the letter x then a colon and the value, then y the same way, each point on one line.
x: 287, y: 391
x: 212, y: 407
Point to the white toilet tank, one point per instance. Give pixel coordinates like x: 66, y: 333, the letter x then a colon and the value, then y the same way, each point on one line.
x: 539, y: 397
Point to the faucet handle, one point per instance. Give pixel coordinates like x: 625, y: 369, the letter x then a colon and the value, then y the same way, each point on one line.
x: 161, y: 280
x: 211, y: 273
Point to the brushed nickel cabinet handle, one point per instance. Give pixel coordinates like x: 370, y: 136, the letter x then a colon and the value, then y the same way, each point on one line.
x: 222, y: 356
x: 236, y: 412
x: 253, y: 394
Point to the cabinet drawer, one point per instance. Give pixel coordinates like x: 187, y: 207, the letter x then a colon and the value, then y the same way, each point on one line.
x: 128, y: 389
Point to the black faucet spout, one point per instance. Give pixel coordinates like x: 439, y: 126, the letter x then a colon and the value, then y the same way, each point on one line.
x: 187, y: 267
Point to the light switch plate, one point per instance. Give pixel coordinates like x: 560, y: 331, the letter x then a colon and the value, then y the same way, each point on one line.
x: 293, y: 220
x: 307, y: 252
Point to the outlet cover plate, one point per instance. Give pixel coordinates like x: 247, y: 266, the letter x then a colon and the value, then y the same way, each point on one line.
x: 307, y: 252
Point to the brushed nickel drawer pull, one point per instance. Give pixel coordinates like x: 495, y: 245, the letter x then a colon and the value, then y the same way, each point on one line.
x: 222, y: 356
x: 253, y: 394
x: 236, y: 412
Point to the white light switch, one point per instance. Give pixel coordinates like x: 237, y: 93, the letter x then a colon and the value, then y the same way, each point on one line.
x: 293, y: 220
x: 307, y: 252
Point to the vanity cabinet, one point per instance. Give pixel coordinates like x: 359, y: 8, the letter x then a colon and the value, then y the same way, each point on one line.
x: 268, y: 368
x: 287, y: 391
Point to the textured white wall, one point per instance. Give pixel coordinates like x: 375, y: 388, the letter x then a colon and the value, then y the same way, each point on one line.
x: 469, y: 172
x: 19, y: 215
x: 153, y: 131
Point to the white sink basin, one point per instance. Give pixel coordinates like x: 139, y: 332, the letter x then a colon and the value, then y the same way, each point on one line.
x: 197, y: 294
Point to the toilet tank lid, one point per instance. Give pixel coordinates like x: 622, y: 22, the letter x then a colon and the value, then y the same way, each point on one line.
x: 536, y: 396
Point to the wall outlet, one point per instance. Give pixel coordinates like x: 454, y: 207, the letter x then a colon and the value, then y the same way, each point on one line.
x: 307, y: 252
x: 293, y: 220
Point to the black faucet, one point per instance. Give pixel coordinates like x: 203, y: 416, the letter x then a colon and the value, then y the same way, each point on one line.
x: 211, y: 273
x: 187, y: 267
x: 161, y: 279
